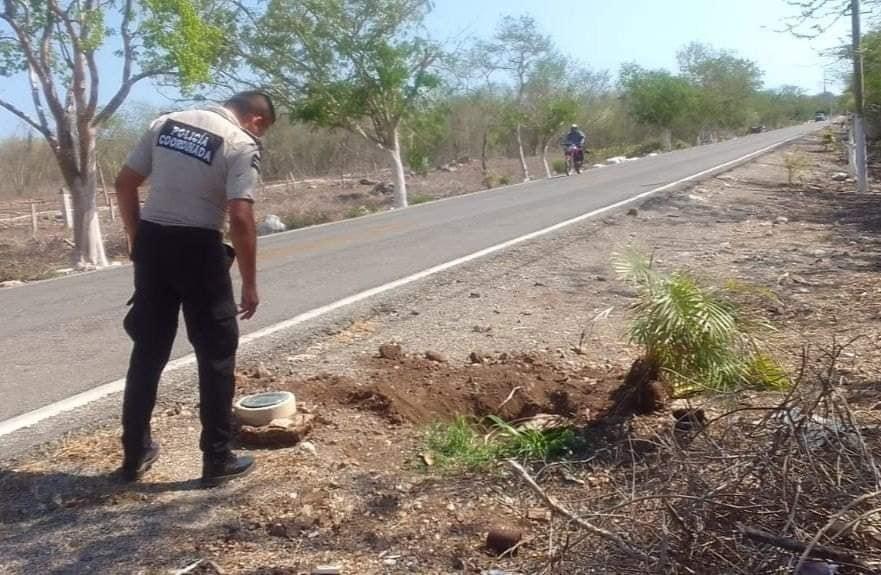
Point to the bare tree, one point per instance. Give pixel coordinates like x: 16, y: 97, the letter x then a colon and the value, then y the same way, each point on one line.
x: 516, y: 49
x: 54, y: 45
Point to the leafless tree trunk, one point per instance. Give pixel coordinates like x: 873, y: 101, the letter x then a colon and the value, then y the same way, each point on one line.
x: 544, y: 158
x: 667, y: 139
x: 398, y: 170
x: 523, y: 165
x: 57, y: 49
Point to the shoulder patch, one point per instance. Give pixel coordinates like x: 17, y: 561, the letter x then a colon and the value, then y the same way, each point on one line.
x: 255, y: 162
x: 190, y: 141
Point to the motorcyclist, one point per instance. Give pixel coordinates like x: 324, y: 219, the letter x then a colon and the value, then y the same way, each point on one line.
x: 575, y: 137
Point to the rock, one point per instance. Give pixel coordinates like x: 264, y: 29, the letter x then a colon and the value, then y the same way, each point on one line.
x: 391, y: 351
x: 11, y: 283
x: 271, y: 224
x: 263, y: 372
x: 538, y: 514
x: 448, y: 168
x: 474, y: 295
x: 309, y: 448
x: 201, y: 567
x: 435, y: 356
x: 616, y: 160
x: 817, y: 567
x: 278, y: 530
x: 390, y: 562
x: 458, y: 564
x: 688, y: 419
x: 781, y: 220
x: 501, y: 540
x: 477, y: 357
x: 367, y: 182
x: 840, y: 177
x: 383, y: 189
x: 633, y: 212
x: 279, y: 432
x: 327, y: 570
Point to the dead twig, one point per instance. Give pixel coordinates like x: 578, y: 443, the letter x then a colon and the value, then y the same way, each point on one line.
x: 556, y: 507
x: 796, y: 546
x: 813, y: 544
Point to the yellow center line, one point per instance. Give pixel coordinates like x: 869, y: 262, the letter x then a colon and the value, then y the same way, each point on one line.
x: 341, y: 240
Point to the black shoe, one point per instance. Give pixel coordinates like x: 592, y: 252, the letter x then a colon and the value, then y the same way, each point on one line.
x: 134, y: 469
x: 217, y: 471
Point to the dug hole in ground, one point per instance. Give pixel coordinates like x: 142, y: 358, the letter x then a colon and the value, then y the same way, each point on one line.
x: 751, y: 482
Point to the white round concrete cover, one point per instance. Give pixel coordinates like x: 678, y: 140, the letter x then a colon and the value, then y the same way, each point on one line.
x: 268, y: 399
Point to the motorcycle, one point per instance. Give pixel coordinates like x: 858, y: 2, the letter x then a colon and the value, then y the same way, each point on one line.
x: 574, y: 159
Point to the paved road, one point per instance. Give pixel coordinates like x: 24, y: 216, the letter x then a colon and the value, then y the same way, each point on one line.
x: 62, y: 337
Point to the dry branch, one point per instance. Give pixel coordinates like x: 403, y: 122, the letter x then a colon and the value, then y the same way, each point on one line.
x: 556, y: 507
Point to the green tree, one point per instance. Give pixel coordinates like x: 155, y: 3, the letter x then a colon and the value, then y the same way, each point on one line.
x: 724, y: 83
x: 550, y: 101
x: 425, y: 131
x: 656, y: 98
x: 517, y: 49
x: 52, y: 46
x: 349, y: 64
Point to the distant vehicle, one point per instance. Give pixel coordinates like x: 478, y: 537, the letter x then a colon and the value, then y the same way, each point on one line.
x: 756, y: 129
x: 820, y: 117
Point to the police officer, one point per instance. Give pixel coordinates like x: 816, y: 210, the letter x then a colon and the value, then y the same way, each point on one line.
x: 202, y: 164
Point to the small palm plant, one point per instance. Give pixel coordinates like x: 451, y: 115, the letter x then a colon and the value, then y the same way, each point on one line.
x: 693, y: 334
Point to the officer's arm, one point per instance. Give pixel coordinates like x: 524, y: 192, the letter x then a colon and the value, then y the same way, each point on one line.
x: 127, y: 183
x: 243, y: 232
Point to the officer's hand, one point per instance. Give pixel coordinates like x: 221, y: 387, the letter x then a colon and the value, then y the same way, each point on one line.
x: 250, y: 301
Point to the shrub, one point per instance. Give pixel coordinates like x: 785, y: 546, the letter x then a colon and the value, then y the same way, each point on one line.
x: 694, y: 334
x: 559, y: 166
x: 358, y: 211
x: 796, y: 165
x: 416, y: 199
x: 304, y: 220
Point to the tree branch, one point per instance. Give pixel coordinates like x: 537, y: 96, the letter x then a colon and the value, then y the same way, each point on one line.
x: 44, y: 74
x: 121, y: 94
x: 28, y: 120
x: 599, y: 531
x: 35, y: 96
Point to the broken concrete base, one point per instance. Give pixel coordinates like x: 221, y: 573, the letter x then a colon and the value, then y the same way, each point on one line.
x: 279, y: 432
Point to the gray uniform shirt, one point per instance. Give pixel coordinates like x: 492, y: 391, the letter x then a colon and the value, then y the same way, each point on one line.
x: 196, y: 161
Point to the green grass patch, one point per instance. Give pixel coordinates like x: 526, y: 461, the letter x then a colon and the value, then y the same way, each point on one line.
x: 473, y: 445
x: 296, y: 221
x: 417, y: 199
x: 358, y: 211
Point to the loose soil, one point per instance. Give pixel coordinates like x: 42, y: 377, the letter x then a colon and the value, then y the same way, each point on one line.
x: 551, y: 320
x: 415, y: 390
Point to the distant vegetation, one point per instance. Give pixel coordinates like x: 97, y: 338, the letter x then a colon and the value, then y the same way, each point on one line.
x: 490, y: 97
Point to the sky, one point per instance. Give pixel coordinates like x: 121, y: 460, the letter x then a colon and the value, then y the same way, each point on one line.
x: 601, y: 34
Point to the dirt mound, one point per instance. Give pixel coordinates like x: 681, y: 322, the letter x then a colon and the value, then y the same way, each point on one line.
x: 420, y: 391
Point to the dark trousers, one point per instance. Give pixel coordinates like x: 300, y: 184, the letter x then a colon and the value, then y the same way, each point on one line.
x: 181, y: 267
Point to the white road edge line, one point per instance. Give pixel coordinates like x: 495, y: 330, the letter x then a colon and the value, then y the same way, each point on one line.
x: 38, y: 415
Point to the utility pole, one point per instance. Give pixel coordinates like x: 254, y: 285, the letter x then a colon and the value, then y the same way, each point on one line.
x: 859, y: 132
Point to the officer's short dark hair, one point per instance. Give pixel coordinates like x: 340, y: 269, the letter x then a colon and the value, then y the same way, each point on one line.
x: 254, y: 102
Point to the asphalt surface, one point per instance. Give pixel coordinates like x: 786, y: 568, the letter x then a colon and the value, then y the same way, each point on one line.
x: 65, y: 336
